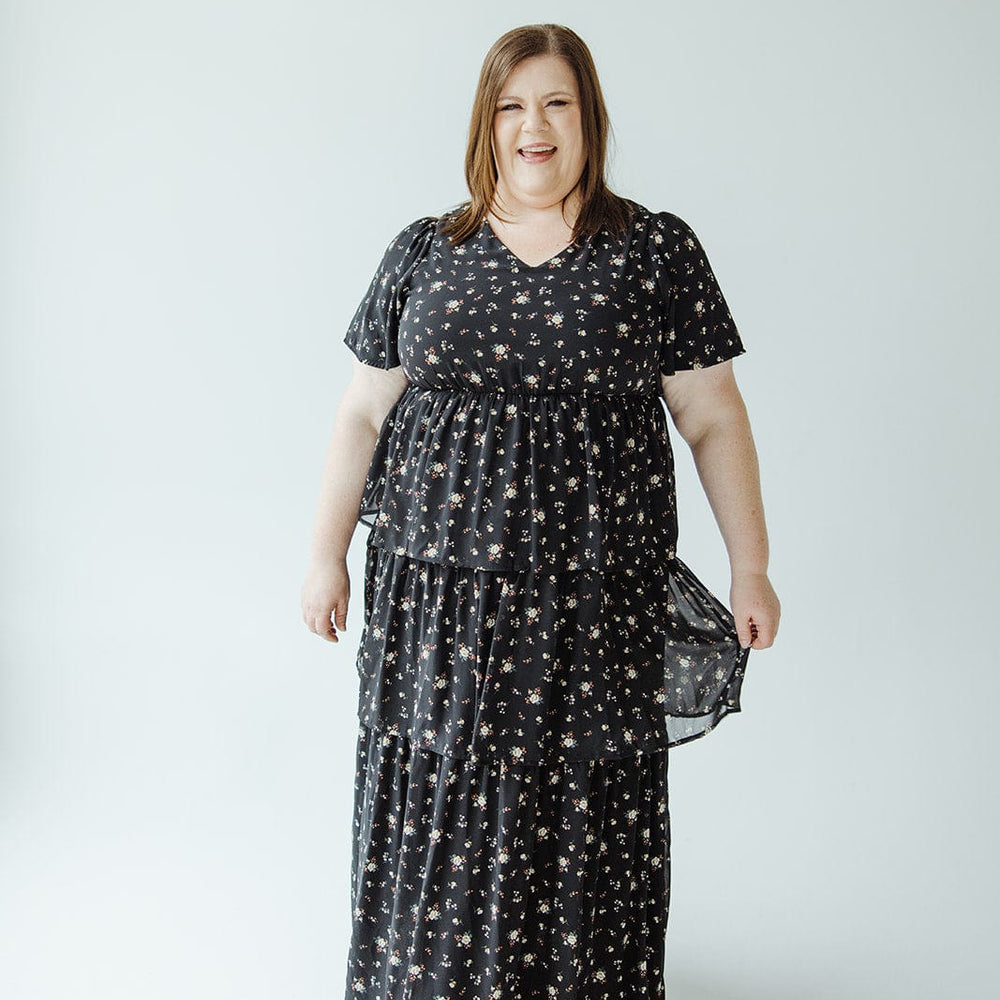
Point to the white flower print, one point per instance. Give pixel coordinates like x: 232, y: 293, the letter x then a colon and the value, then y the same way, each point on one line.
x: 518, y: 687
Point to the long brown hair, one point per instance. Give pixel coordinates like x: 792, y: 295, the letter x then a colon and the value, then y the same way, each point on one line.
x: 599, y: 206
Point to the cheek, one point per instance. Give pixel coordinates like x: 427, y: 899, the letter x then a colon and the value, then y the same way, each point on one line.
x: 574, y: 135
x: 501, y: 133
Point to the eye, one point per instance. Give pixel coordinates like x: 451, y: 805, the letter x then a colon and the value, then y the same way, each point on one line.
x: 512, y: 105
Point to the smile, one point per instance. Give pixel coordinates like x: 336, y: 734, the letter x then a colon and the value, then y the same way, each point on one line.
x: 537, y: 153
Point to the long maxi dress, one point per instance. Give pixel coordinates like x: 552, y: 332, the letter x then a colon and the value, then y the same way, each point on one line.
x: 532, y: 646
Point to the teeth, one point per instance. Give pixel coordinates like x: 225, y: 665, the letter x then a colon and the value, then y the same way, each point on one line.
x: 536, y: 149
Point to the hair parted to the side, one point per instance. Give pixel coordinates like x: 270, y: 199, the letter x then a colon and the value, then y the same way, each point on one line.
x: 599, y: 206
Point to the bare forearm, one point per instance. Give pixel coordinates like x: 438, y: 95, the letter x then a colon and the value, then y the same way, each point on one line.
x: 348, y: 456
x: 726, y: 460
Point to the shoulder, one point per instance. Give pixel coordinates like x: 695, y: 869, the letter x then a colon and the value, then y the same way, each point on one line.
x: 663, y: 231
x: 669, y: 231
x: 672, y: 240
x: 649, y: 217
x: 413, y: 232
x: 409, y: 245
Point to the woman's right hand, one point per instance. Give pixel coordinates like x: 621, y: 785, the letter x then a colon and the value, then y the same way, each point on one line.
x: 326, y: 593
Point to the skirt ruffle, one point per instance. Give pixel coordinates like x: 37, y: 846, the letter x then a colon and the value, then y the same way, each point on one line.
x: 501, y: 881
x: 511, y: 829
x: 515, y: 481
x: 535, y: 666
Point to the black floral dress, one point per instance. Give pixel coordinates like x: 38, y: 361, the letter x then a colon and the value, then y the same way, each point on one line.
x: 531, y: 645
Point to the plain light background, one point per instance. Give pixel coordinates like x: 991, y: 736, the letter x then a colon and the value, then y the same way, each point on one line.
x: 194, y: 198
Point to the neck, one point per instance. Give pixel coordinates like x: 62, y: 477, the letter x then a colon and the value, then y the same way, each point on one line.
x: 554, y: 215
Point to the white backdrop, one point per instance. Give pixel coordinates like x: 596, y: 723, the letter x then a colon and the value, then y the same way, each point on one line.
x: 194, y: 197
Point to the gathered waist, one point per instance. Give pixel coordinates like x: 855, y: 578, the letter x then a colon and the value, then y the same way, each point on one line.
x: 468, y: 391
x: 514, y: 482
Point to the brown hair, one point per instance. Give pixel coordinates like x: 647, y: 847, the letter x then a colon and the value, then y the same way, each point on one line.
x: 599, y: 206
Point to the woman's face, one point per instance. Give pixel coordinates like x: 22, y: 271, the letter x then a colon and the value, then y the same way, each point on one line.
x: 539, y: 105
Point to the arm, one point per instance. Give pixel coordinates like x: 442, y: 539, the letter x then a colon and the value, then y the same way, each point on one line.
x: 709, y: 413
x: 369, y: 396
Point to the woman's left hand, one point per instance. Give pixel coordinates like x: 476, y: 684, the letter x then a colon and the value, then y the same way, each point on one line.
x: 756, y: 609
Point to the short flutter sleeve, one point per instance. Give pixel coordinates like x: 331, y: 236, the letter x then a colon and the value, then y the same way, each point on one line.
x: 700, y: 330
x: 372, y: 333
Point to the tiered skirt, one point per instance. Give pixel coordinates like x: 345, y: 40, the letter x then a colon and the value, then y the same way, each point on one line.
x: 511, y: 828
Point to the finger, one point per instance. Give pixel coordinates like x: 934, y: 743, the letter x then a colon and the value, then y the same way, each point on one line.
x: 748, y: 633
x: 762, y: 635
x: 742, y: 633
x: 321, y: 627
x: 340, y: 617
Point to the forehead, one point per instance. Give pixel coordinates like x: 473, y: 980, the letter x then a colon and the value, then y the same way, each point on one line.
x: 539, y: 74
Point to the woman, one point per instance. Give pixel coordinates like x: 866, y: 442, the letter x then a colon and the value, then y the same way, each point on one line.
x: 531, y: 645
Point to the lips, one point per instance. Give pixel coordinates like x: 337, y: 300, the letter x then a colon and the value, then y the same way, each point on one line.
x: 536, y: 154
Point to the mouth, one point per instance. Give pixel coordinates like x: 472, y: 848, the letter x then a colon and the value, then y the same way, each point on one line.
x: 537, y: 152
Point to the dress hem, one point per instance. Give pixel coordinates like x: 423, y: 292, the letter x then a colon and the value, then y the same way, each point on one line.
x: 381, y: 729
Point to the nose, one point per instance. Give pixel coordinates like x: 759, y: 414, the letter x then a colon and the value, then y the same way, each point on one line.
x: 535, y: 120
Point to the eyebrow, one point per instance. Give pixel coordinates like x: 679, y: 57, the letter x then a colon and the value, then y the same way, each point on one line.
x: 551, y: 93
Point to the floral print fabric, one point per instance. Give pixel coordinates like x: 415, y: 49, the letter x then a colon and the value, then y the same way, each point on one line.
x: 507, y: 881
x: 536, y: 666
x: 532, y: 645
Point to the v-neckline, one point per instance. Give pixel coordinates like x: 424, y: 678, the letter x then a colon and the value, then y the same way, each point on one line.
x: 491, y: 232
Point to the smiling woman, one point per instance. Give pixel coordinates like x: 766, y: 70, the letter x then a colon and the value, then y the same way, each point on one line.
x: 532, y: 647
x: 539, y: 156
